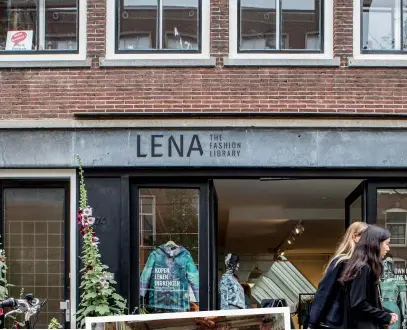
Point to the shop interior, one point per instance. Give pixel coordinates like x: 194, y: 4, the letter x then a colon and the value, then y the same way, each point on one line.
x: 284, y: 232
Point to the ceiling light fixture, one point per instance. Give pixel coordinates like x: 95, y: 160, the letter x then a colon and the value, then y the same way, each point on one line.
x: 298, y: 229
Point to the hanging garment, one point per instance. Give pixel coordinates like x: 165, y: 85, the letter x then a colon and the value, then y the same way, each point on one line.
x: 166, y: 278
x: 231, y: 293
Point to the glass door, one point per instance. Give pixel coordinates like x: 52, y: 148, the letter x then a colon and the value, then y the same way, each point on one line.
x: 35, y: 238
x: 170, y: 247
x: 355, y: 205
x: 387, y: 207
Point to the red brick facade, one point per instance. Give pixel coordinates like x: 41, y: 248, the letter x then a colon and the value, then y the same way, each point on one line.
x: 58, y: 93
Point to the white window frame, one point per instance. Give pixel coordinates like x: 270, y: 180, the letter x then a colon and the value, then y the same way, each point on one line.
x: 399, y: 260
x: 153, y: 214
x: 357, y: 42
x: 111, y: 38
x: 405, y: 223
x: 327, y: 34
x: 80, y: 56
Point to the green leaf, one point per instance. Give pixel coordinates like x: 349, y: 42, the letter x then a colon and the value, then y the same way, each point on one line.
x: 103, y: 310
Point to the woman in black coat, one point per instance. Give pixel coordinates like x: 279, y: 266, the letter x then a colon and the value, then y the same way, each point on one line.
x: 326, y: 310
x: 363, y: 307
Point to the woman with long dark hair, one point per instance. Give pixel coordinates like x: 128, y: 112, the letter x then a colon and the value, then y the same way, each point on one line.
x: 363, y: 307
x: 326, y: 310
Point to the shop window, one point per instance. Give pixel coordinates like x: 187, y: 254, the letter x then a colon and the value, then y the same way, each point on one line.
x: 39, y: 26
x: 280, y: 26
x: 169, y: 222
x: 34, y: 239
x: 384, y: 26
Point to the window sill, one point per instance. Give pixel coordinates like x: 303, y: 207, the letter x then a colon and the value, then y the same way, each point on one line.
x: 368, y: 62
x: 335, y: 62
x: 104, y: 63
x: 47, y: 64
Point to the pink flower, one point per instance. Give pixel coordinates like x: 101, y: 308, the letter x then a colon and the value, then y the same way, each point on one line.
x: 87, y: 212
x: 91, y: 221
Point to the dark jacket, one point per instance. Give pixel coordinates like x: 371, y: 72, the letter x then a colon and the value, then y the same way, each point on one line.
x: 362, y: 306
x: 327, y: 307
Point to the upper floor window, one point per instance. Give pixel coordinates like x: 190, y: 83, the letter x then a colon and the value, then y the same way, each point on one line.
x: 39, y: 26
x: 158, y: 26
x: 157, y: 30
x: 281, y: 32
x: 384, y: 26
x: 280, y: 26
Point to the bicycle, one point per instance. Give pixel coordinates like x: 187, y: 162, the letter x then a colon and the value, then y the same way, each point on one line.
x: 29, y: 306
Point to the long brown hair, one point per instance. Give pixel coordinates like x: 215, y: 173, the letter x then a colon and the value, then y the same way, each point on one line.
x: 367, y: 252
x: 347, y: 245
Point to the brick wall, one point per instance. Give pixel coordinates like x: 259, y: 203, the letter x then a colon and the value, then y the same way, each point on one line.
x: 58, y: 93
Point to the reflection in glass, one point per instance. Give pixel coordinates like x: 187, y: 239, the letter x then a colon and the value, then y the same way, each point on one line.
x: 17, y: 16
x: 258, y: 24
x: 392, y: 214
x: 380, y: 24
x: 34, y: 241
x: 356, y: 210
x: 61, y: 22
x: 138, y: 24
x: 169, y: 223
x: 180, y: 24
x: 300, y: 24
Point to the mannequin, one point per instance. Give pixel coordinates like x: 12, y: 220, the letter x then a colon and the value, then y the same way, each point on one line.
x: 394, y: 294
x: 231, y: 292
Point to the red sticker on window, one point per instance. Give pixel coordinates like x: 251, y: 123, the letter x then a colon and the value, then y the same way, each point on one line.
x: 18, y: 37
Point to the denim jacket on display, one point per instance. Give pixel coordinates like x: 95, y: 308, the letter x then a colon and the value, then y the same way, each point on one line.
x: 166, y: 278
x: 231, y: 292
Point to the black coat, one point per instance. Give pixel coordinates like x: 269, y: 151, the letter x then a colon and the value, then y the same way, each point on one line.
x: 327, y: 307
x: 362, y: 306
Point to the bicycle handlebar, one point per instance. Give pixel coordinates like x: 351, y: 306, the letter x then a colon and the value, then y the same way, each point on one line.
x: 11, y: 302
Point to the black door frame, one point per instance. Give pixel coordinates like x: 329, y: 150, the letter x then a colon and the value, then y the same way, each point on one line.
x: 46, y: 183
x: 204, y: 229
x: 359, y: 191
x: 213, y: 246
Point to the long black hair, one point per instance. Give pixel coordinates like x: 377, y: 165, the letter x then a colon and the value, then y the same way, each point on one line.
x: 367, y: 252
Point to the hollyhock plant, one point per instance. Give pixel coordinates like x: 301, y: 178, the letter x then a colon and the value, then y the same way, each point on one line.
x: 98, y: 294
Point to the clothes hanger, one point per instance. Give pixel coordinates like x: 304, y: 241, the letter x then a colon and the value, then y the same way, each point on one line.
x: 171, y: 243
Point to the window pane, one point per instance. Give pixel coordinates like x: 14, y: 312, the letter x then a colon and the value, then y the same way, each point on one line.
x: 379, y: 24
x: 300, y: 24
x: 258, y: 24
x: 18, y: 24
x: 392, y: 214
x: 60, y: 27
x: 138, y: 24
x: 404, y: 20
x: 34, y: 242
x: 180, y: 24
x: 169, y: 251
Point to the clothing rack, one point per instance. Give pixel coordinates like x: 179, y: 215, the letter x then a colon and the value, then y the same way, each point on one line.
x: 305, y: 301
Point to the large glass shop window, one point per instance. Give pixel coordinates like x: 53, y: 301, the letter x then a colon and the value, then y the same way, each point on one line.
x: 392, y: 214
x: 169, y: 222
